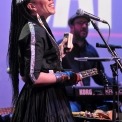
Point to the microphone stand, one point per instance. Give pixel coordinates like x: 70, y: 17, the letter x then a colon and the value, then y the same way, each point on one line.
x: 115, y: 89
x: 108, y: 47
x: 118, y: 63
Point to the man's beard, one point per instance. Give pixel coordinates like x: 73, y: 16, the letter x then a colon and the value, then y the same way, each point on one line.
x: 78, y: 37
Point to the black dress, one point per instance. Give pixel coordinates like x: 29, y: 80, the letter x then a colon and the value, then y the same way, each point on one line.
x: 42, y: 103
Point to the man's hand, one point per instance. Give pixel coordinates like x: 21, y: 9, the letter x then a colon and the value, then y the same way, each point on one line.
x: 66, y: 45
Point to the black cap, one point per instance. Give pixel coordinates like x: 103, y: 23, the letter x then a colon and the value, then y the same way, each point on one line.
x: 78, y: 14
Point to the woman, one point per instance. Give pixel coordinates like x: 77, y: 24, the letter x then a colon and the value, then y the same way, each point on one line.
x: 34, y: 55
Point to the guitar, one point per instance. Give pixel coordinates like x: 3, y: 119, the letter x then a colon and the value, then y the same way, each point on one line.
x: 7, y: 110
x: 89, y: 72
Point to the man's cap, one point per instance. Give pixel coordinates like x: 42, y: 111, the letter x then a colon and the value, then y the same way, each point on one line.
x: 78, y: 14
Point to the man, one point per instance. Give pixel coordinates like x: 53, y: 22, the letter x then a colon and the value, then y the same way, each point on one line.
x: 78, y: 25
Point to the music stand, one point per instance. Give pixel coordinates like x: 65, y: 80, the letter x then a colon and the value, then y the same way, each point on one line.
x: 96, y: 58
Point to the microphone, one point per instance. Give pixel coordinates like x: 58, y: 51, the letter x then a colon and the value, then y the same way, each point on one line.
x: 111, y: 46
x: 91, y: 16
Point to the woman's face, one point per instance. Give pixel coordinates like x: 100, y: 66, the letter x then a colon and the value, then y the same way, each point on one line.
x: 44, y: 7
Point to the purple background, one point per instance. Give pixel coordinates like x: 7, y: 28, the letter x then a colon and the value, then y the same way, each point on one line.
x: 115, y: 19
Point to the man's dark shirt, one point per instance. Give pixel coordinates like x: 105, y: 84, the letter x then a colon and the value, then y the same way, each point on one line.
x: 88, y: 50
